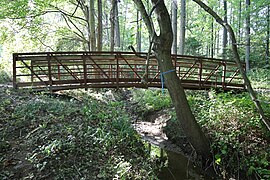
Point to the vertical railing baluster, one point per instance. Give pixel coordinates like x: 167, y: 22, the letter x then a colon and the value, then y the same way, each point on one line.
x: 49, y: 71
x: 224, y: 75
x: 200, y: 73
x: 15, y: 57
x: 117, y: 71
x: 84, y: 72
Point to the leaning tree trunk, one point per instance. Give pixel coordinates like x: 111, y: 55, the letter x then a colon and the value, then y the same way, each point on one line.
x: 162, y: 48
x: 238, y: 61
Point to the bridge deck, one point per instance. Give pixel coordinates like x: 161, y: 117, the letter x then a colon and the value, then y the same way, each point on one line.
x: 70, y: 70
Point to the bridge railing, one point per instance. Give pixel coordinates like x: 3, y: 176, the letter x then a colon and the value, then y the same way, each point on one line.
x: 69, y: 70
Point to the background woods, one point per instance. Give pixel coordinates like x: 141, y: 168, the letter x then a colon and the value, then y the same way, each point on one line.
x: 56, y: 25
x: 224, y: 128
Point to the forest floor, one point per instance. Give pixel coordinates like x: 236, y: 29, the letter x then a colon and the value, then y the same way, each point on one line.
x: 65, y: 135
x: 69, y: 136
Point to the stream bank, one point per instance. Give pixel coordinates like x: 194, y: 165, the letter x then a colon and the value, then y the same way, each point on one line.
x: 161, y: 134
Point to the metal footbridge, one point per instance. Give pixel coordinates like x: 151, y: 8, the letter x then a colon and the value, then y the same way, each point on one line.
x: 55, y: 71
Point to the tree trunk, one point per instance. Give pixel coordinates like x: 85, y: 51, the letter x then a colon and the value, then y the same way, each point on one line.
x: 174, y: 26
x: 100, y: 26
x: 240, y: 22
x: 92, y: 26
x: 212, y: 39
x: 247, y: 58
x: 117, y: 27
x: 225, y: 32
x: 182, y: 27
x: 238, y: 61
x: 112, y: 20
x: 162, y: 48
x: 268, y: 35
x: 139, y: 32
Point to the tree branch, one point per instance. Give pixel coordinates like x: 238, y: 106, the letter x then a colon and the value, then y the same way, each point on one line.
x: 237, y: 60
x: 147, y: 20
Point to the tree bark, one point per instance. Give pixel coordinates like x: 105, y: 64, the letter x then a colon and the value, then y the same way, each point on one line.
x: 100, y: 26
x: 268, y: 35
x: 139, y: 32
x: 247, y: 58
x: 182, y: 27
x: 92, y: 25
x: 174, y: 26
x: 238, y: 61
x: 112, y: 20
x: 162, y: 49
x: 225, y: 32
x: 240, y: 22
x: 117, y: 27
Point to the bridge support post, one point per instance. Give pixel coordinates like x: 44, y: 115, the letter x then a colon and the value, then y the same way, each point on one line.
x: 117, y: 71
x: 200, y: 73
x: 84, y: 72
x: 49, y: 71
x: 15, y: 57
x: 224, y: 75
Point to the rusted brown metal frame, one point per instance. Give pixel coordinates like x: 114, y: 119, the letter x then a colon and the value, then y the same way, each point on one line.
x: 200, y: 72
x: 67, y: 69
x: 15, y: 57
x: 31, y: 70
x: 44, y: 72
x: 235, y: 73
x: 84, y: 72
x: 224, y: 69
x: 190, y: 70
x: 49, y: 71
x: 130, y: 66
x: 90, y: 58
x: 117, y: 71
x: 211, y: 73
x: 155, y: 77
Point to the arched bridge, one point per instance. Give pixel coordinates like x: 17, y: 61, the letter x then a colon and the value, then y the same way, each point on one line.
x: 70, y: 70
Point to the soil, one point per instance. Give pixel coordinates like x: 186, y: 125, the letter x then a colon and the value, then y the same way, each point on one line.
x: 157, y: 128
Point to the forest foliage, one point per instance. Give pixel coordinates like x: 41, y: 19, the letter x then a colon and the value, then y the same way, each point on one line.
x: 239, y: 142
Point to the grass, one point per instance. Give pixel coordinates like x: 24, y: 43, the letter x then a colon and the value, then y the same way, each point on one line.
x: 69, y: 137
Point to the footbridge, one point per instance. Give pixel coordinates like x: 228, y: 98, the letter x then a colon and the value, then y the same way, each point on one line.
x: 55, y: 71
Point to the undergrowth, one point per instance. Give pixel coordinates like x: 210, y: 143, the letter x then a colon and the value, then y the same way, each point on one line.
x: 240, y: 143
x: 63, y: 137
x: 151, y: 100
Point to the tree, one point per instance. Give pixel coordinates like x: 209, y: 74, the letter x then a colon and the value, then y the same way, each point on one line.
x: 92, y: 25
x: 174, y: 26
x: 268, y: 35
x: 112, y: 20
x: 225, y: 32
x: 247, y: 58
x: 237, y: 60
x: 100, y: 26
x: 139, y: 32
x: 162, y: 44
x: 182, y: 27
